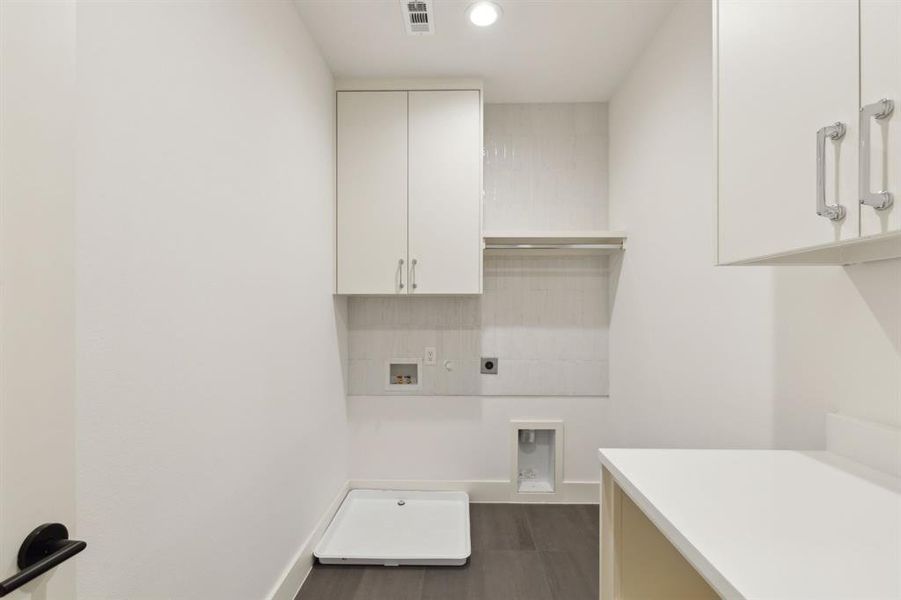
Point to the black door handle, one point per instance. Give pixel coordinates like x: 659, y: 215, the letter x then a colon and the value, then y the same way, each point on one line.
x: 44, y: 548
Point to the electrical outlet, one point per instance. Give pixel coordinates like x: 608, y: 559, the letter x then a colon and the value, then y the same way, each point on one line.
x: 430, y: 356
x: 489, y: 365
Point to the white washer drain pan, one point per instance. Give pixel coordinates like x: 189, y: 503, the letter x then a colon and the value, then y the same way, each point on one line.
x: 393, y: 528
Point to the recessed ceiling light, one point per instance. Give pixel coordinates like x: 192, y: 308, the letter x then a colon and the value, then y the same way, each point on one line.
x: 484, y: 13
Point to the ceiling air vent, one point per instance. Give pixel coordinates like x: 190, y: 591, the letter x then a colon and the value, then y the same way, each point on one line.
x: 418, y: 16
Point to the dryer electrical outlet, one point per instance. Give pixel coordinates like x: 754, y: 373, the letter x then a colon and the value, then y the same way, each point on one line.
x: 489, y: 365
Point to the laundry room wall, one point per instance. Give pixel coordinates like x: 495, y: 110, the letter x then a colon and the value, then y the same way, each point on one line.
x: 211, y: 419
x: 544, y: 318
x: 724, y: 357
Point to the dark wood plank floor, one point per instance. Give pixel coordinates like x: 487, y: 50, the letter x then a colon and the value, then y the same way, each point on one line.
x: 519, y: 552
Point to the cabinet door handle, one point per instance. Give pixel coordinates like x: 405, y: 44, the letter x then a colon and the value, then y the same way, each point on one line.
x: 833, y: 212
x: 413, y: 273
x: 878, y: 110
x: 400, y: 274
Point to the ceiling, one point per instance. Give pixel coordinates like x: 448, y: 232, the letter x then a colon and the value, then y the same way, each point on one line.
x: 539, y: 50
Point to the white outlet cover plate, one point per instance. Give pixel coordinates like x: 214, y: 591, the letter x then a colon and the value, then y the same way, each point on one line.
x: 431, y: 356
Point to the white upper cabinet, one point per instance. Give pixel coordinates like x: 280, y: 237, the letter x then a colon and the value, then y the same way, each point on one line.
x: 880, y: 79
x: 787, y: 75
x: 445, y: 192
x: 372, y: 192
x: 409, y: 179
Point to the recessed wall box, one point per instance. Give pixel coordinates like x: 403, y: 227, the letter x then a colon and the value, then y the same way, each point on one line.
x: 537, y: 457
x: 403, y: 375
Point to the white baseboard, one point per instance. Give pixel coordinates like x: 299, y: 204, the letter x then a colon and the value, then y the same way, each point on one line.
x: 296, y: 572
x: 571, y: 492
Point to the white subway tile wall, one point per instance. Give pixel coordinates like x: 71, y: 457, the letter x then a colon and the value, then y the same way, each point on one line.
x: 382, y: 329
x: 545, y: 166
x: 544, y: 318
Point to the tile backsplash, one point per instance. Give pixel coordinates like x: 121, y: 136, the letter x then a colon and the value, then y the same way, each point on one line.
x: 545, y: 166
x: 383, y: 329
x: 544, y: 318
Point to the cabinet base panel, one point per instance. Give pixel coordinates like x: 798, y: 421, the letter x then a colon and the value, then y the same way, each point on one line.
x: 637, y: 561
x: 884, y: 246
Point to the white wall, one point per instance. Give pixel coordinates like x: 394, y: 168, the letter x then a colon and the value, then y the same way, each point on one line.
x: 838, y: 344
x: 211, y: 418
x: 701, y: 356
x: 463, y: 438
x: 724, y: 356
x: 544, y: 318
x: 37, y: 282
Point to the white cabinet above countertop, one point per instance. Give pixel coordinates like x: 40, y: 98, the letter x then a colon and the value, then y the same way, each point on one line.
x: 808, y: 165
x: 409, y: 180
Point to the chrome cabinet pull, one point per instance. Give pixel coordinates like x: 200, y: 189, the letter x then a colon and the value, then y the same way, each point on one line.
x: 413, y: 274
x: 400, y: 271
x: 833, y: 212
x: 878, y: 110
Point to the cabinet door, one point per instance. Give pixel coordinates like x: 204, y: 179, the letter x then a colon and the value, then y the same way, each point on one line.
x: 445, y: 192
x: 785, y: 69
x: 880, y: 77
x: 372, y: 192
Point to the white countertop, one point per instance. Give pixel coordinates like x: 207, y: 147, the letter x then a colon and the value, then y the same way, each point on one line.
x: 771, y: 524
